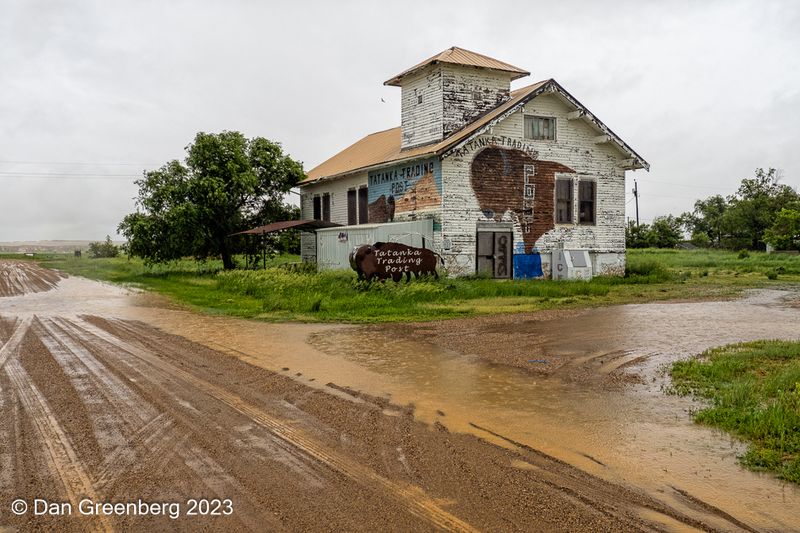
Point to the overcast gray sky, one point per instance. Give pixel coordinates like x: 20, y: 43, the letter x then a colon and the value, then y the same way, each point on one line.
x: 94, y: 92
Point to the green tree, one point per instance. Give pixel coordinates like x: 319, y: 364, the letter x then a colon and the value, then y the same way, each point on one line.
x: 636, y: 235
x: 754, y: 208
x: 103, y: 249
x: 664, y: 232
x: 192, y: 208
x: 785, y: 232
x: 705, y: 223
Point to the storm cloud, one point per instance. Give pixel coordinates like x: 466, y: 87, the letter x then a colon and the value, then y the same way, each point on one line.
x: 93, y: 93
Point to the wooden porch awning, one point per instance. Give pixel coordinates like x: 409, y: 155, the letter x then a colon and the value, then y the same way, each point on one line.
x: 303, y: 225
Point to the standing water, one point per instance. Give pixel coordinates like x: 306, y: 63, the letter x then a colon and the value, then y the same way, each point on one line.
x: 629, y: 432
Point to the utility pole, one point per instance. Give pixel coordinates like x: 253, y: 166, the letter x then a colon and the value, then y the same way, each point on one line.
x: 636, y: 196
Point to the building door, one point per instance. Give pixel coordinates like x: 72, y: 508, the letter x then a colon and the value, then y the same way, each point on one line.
x: 495, y: 253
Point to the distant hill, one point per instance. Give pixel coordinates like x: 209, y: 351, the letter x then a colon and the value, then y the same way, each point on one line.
x: 48, y: 246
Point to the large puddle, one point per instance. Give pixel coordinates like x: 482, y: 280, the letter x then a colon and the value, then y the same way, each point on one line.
x: 634, y: 434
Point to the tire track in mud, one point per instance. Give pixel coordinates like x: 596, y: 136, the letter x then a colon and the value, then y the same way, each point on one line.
x: 143, y: 434
x: 76, y: 481
x: 413, y: 499
x: 23, y: 277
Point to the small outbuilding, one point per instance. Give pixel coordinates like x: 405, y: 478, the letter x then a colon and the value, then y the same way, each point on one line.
x: 523, y: 183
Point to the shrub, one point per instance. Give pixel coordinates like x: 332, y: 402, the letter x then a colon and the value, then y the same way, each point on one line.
x: 103, y: 249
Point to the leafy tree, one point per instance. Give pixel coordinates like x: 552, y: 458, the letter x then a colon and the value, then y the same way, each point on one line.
x: 636, y: 235
x: 664, y: 232
x: 705, y: 223
x: 190, y: 209
x: 785, y: 232
x: 754, y: 208
x: 741, y: 219
x: 103, y: 249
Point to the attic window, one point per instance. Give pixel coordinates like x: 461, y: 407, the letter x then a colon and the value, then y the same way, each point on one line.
x: 419, y: 99
x: 540, y: 128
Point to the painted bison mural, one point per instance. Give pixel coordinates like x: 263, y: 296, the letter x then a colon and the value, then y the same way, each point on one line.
x: 384, y: 260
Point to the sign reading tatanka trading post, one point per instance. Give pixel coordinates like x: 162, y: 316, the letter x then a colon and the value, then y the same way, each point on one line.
x: 384, y: 260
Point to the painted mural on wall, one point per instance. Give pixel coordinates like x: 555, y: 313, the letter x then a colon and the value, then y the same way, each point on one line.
x: 511, y: 179
x: 406, y: 188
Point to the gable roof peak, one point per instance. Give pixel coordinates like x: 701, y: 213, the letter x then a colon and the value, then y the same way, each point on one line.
x: 461, y: 56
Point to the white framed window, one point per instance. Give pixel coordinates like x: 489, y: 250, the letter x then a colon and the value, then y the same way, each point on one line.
x: 540, y: 128
x: 568, y: 190
x: 564, y: 201
x: 587, y: 200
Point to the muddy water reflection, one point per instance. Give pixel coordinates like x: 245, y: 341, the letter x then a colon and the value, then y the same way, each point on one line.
x: 634, y: 434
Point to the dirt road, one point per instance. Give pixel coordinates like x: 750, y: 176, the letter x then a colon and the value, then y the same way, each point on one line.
x: 98, y: 409
x: 21, y: 277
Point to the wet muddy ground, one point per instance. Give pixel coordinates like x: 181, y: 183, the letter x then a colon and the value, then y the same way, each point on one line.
x: 21, y: 277
x: 114, y: 395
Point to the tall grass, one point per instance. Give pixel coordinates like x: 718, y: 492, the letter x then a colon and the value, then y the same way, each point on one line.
x: 339, y: 296
x: 754, y: 390
x: 286, y: 292
x: 720, y: 260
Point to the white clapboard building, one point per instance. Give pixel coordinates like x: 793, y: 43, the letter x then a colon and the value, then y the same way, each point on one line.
x: 523, y: 183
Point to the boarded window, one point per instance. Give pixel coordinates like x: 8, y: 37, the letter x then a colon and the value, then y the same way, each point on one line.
x: 564, y: 201
x: 326, y: 207
x: 363, y: 205
x: 586, y: 202
x: 540, y: 128
x: 317, y: 208
x: 352, y: 206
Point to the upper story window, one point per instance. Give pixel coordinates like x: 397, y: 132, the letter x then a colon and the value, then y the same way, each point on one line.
x: 540, y: 128
x: 352, y: 207
x: 326, y: 207
x: 363, y: 205
x: 317, y: 208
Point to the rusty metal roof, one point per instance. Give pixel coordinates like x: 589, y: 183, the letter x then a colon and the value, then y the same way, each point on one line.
x: 383, y: 147
x: 460, y: 56
x: 305, y: 225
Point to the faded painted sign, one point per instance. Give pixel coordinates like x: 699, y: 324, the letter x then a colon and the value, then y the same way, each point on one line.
x: 405, y: 188
x: 496, y: 141
x: 505, y: 179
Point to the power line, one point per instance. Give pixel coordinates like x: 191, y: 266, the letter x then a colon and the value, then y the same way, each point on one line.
x: 85, y: 163
x: 112, y: 177
x: 26, y: 173
x: 673, y: 184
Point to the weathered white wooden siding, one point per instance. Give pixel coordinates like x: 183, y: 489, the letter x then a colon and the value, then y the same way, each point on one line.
x: 421, y: 123
x: 338, y: 190
x: 574, y: 147
x: 468, y: 92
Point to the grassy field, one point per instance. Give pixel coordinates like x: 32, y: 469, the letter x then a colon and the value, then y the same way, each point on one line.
x: 754, y: 391
x: 278, y: 293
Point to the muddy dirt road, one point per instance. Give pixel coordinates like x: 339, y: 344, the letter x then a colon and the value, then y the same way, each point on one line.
x: 251, y: 423
x: 21, y: 277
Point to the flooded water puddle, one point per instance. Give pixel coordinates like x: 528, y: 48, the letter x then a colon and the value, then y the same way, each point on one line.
x: 631, y: 433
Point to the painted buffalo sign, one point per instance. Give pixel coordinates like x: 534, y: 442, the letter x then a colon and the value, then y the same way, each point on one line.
x: 512, y: 180
x: 384, y: 260
x: 404, y: 189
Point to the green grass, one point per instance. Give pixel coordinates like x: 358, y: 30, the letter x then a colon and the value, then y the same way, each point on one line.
x: 281, y: 294
x: 754, y: 393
